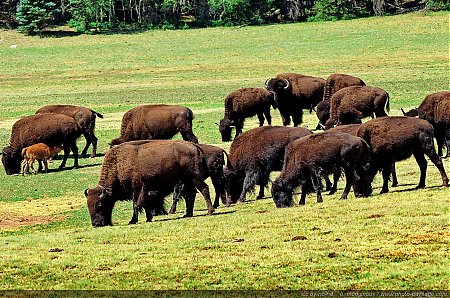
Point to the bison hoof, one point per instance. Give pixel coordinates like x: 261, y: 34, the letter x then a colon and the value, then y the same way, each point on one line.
x: 132, y: 222
x: 420, y: 186
x: 188, y: 215
x: 210, y: 212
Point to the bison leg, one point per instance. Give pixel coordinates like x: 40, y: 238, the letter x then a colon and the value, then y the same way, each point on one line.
x: 298, y: 117
x: 249, y: 182
x: 220, y: 193
x: 317, y: 184
x: 386, y: 172
x: 189, y: 193
x: 268, y: 116
x: 349, y: 181
x: 204, y: 189
x: 177, y: 192
x: 422, y: 162
x: 394, y: 175
x: 261, y: 118
x: 239, y: 125
x: 438, y: 163
x: 335, y: 182
x: 90, y: 139
x: 45, y: 164
x: 439, y: 134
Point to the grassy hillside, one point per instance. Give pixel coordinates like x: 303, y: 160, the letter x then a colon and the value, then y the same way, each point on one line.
x: 393, y: 241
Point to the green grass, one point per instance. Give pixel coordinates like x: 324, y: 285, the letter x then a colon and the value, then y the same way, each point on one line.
x: 394, y: 241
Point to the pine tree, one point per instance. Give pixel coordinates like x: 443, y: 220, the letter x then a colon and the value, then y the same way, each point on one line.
x: 35, y: 15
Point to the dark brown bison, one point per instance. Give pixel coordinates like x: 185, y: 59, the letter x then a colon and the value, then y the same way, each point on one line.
x: 256, y: 153
x: 442, y: 118
x: 85, y: 119
x: 244, y: 103
x: 295, y: 92
x: 337, y: 81
x: 215, y: 162
x: 148, y: 122
x: 322, y: 113
x: 353, y: 130
x: 145, y: 172
x: 351, y: 104
x: 396, y: 138
x: 427, y: 110
x: 308, y: 159
x: 51, y: 129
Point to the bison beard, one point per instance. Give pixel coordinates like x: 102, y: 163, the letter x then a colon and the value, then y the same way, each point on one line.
x: 145, y: 172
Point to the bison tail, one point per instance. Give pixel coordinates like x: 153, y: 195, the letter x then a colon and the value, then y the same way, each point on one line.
x: 388, y: 109
x: 97, y: 114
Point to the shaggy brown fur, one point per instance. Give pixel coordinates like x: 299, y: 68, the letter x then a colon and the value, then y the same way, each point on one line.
x: 442, y: 118
x: 244, y: 103
x: 427, y: 110
x: 351, y: 104
x: 215, y: 161
x: 295, y: 92
x: 85, y: 119
x: 145, y: 172
x: 256, y: 153
x: 39, y: 151
x: 51, y: 129
x: 397, y: 138
x: 309, y: 158
x: 337, y: 81
x: 149, y: 122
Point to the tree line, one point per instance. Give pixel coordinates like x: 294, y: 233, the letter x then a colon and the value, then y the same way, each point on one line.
x: 33, y: 16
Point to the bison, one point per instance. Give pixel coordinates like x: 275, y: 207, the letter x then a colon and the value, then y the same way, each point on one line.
x: 145, y: 172
x: 351, y: 104
x: 309, y: 158
x: 254, y: 154
x: 85, y: 119
x: 337, y: 81
x: 295, y: 92
x: 396, y: 138
x: 244, y: 103
x: 51, y: 129
x: 39, y: 151
x: 442, y: 118
x: 215, y: 161
x: 148, y: 122
x: 427, y: 110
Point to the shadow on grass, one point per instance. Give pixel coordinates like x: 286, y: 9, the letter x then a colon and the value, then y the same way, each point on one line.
x: 199, y: 215
x: 72, y: 168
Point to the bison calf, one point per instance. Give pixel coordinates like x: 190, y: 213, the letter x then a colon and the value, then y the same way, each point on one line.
x: 396, y: 138
x: 244, y: 103
x: 40, y: 152
x: 309, y: 158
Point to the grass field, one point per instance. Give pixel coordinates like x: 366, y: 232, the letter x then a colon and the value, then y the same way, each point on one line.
x: 399, y: 240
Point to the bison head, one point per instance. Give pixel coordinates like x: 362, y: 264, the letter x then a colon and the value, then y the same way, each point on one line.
x: 225, y: 128
x: 233, y: 184
x: 411, y: 113
x: 11, y: 160
x: 99, y: 206
x: 277, y: 85
x: 282, y: 194
x: 323, y: 113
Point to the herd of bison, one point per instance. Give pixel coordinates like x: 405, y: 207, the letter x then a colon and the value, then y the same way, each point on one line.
x: 143, y: 165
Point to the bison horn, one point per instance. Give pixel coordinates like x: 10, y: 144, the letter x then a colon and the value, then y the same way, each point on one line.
x: 287, y: 84
x: 103, y: 192
x: 216, y: 123
x: 86, y: 192
x: 265, y: 83
x: 403, y: 111
x: 321, y: 125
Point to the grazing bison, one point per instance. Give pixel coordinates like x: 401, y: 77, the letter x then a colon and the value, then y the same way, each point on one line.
x: 337, y: 81
x: 145, y: 172
x: 254, y: 154
x: 148, y: 122
x: 51, y: 129
x: 295, y: 92
x: 85, y: 119
x: 215, y: 161
x: 427, y: 110
x: 353, y: 130
x: 39, y: 151
x: 323, y: 113
x: 351, y: 104
x: 244, y: 103
x: 397, y: 138
x: 309, y: 158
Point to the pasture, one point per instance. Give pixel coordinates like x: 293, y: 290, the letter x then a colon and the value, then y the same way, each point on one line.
x: 397, y: 240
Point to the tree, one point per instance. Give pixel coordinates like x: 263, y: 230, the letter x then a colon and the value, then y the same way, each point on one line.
x: 35, y: 15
